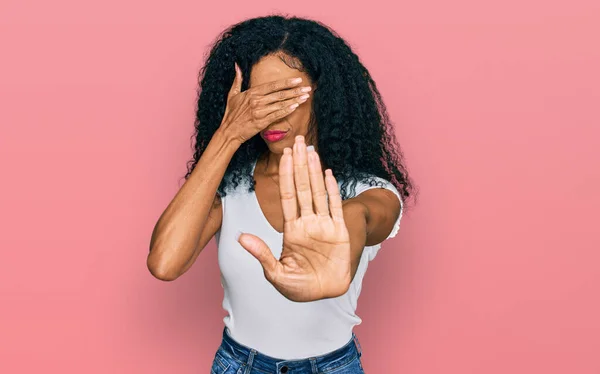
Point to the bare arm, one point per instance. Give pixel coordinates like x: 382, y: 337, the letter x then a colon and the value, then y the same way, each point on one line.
x: 370, y: 218
x: 193, y: 216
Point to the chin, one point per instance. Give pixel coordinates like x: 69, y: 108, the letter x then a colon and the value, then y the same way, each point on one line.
x: 278, y: 147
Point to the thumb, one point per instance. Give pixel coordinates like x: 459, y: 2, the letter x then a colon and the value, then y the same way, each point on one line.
x: 236, y: 86
x: 257, y: 248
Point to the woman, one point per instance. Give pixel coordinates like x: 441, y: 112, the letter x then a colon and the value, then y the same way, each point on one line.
x: 281, y: 100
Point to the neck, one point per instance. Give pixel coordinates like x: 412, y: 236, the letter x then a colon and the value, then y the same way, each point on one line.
x: 270, y: 164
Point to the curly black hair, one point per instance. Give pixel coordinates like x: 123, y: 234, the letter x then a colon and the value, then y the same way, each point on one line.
x: 355, y: 136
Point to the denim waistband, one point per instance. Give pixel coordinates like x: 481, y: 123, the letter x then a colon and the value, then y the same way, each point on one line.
x: 267, y: 364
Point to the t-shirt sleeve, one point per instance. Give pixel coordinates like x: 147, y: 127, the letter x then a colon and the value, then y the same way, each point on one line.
x: 364, y: 186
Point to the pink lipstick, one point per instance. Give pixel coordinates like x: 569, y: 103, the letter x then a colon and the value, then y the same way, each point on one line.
x: 274, y: 135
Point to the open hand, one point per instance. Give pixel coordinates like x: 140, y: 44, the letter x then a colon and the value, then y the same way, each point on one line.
x: 315, y: 262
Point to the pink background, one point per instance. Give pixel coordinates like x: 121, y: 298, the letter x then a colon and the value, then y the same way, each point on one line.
x: 496, y: 270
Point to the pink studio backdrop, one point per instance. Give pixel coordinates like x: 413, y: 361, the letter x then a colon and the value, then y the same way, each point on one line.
x: 496, y: 270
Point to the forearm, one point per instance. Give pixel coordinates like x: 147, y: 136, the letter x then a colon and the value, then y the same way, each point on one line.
x: 177, y: 232
x: 355, y: 216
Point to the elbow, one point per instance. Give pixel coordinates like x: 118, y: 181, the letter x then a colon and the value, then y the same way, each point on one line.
x: 160, y: 270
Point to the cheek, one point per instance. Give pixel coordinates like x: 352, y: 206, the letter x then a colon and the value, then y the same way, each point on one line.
x: 301, y: 116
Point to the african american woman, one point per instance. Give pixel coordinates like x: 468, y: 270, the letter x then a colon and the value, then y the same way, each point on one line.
x: 298, y: 176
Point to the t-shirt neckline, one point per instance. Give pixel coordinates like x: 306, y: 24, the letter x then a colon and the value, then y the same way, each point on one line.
x: 257, y: 204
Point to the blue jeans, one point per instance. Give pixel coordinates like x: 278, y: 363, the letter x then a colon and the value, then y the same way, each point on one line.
x: 235, y: 358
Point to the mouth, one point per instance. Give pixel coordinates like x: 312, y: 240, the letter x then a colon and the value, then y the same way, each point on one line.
x: 274, y: 135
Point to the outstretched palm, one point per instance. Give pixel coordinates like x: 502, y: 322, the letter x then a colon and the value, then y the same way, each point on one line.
x: 315, y: 260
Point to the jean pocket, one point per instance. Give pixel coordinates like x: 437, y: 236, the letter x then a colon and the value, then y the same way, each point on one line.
x: 343, y: 366
x: 354, y: 366
x: 220, y: 364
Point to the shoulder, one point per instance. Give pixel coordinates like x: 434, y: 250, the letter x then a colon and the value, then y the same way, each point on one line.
x: 376, y: 186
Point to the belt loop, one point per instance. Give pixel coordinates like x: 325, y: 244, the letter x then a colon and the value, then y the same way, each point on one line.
x: 250, y: 359
x: 357, y: 344
x: 313, y: 365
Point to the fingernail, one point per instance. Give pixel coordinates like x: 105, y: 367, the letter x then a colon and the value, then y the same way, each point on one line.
x: 296, y: 80
x: 237, y: 235
x: 306, y: 89
x: 304, y: 97
x: 310, y: 148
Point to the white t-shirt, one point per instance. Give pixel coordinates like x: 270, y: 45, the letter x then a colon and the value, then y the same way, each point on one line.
x: 259, y: 316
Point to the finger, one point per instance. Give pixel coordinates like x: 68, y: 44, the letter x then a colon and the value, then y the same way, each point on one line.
x: 284, y: 95
x: 236, y: 86
x: 278, y: 85
x: 276, y: 115
x: 317, y: 183
x: 335, y: 199
x: 259, y: 249
x: 301, y: 178
x: 266, y: 110
x: 287, y: 189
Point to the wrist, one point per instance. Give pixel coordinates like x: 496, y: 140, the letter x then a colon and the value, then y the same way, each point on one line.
x: 227, y: 140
